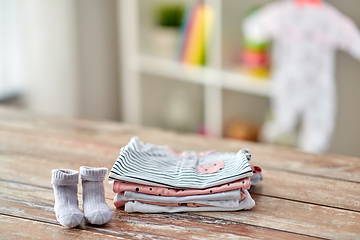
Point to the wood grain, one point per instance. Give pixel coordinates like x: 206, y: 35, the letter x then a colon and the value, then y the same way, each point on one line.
x: 292, y: 216
x: 302, y: 196
x: 316, y: 190
x: 34, y: 203
x: 111, y: 133
x: 57, y: 153
x: 265, y: 209
x: 19, y: 228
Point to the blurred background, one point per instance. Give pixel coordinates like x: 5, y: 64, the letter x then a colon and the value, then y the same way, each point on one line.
x: 137, y: 62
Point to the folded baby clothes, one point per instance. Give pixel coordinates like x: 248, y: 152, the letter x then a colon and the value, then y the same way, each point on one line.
x: 152, y: 178
x: 227, y: 198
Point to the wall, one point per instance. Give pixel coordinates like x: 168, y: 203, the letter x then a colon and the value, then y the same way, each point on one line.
x: 52, y: 58
x: 346, y: 138
x: 71, y: 64
x: 98, y: 59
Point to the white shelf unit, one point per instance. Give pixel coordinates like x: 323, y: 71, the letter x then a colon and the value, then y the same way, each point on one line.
x: 212, y: 77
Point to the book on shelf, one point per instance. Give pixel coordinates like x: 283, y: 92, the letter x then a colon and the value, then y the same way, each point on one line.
x: 195, y: 34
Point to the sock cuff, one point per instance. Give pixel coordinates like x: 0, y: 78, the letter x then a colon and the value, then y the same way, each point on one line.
x: 93, y: 174
x: 64, y: 177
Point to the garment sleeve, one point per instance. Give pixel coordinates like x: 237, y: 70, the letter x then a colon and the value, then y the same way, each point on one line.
x: 262, y: 25
x: 348, y: 36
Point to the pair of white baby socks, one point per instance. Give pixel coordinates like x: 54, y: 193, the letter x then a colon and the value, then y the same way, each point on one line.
x: 96, y: 210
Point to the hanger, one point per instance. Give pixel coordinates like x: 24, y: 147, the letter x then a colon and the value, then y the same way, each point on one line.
x: 312, y: 3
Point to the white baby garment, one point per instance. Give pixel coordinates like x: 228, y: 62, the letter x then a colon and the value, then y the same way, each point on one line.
x: 303, y: 86
x: 136, y: 206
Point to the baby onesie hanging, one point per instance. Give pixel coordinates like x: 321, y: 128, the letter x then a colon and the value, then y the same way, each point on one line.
x: 305, y: 40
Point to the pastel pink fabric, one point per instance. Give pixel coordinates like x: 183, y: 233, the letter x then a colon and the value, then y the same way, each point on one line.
x: 162, y: 204
x: 211, y: 167
x: 162, y: 191
x: 119, y: 204
x: 255, y: 169
x: 244, y: 183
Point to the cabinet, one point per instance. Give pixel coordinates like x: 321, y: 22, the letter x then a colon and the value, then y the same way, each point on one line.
x: 213, y: 78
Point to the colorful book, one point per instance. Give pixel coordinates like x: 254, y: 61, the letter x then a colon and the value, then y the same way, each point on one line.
x: 196, y: 34
x: 185, y: 30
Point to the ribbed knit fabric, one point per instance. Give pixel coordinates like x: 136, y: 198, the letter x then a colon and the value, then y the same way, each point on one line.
x: 95, y: 208
x: 66, y: 202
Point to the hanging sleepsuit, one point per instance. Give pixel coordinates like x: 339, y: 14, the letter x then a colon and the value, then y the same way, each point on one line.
x: 305, y: 40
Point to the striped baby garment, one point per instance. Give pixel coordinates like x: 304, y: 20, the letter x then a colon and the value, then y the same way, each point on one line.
x: 154, y: 165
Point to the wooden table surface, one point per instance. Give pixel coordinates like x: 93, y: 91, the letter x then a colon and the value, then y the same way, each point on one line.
x: 302, y: 195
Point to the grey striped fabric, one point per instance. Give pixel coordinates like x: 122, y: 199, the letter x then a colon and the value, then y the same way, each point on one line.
x: 154, y: 165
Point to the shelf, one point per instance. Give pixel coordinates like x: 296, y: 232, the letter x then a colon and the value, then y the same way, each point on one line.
x: 171, y: 69
x: 212, y: 78
x: 245, y: 83
x: 235, y: 81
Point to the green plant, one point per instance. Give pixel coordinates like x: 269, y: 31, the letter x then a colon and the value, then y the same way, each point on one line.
x: 169, y: 15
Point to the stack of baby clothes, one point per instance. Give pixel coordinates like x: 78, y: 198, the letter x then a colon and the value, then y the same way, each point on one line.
x: 151, y: 178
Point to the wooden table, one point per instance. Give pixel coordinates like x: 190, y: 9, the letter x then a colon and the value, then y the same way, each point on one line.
x: 302, y: 195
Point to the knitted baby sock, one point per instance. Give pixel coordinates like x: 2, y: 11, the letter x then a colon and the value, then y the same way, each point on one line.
x: 96, y: 210
x: 66, y: 201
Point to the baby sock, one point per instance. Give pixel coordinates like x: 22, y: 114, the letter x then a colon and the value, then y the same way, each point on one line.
x: 96, y: 210
x: 66, y: 201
